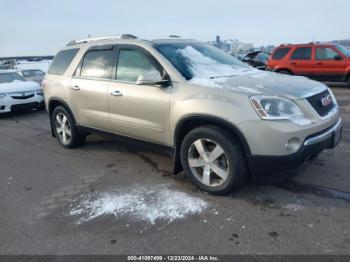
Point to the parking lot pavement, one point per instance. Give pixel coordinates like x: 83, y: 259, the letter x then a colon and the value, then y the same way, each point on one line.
x: 103, y: 198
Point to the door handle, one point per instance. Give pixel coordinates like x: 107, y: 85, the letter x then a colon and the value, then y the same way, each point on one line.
x: 116, y: 93
x: 293, y: 63
x: 319, y: 63
x: 76, y: 87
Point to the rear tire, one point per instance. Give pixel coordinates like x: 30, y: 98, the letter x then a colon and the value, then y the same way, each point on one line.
x: 64, y: 128
x: 285, y: 72
x: 213, y: 162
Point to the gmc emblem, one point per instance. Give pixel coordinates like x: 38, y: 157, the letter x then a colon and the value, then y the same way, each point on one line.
x: 326, y: 101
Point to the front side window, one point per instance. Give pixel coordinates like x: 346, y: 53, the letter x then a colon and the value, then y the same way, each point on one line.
x: 133, y: 63
x: 97, y: 64
x: 62, y: 60
x: 344, y: 50
x: 325, y: 53
x: 302, y: 53
x: 280, y: 53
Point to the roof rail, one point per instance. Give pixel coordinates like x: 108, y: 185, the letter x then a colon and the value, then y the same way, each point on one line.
x: 128, y: 36
x: 93, y: 39
x: 174, y: 36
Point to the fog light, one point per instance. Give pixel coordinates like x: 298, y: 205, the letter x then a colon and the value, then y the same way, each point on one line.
x: 293, y: 144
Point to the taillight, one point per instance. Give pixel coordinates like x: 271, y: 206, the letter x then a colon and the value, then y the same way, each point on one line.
x: 268, y: 62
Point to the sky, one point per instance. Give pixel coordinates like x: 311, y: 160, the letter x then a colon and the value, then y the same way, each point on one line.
x: 41, y: 27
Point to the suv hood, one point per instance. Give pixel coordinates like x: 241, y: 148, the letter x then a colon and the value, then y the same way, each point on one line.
x: 255, y: 82
x: 18, y: 86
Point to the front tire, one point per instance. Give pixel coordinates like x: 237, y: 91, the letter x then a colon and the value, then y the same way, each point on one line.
x: 213, y: 160
x: 64, y: 128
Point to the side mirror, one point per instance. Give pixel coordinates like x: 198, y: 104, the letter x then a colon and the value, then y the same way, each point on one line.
x: 338, y: 57
x: 152, y: 79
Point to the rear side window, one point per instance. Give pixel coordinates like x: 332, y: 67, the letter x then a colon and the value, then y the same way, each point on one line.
x: 97, y: 64
x: 62, y: 60
x: 280, y: 53
x: 302, y: 53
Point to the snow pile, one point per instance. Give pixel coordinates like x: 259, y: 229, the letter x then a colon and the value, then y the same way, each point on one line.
x: 146, y: 203
x: 204, y: 69
x: 41, y: 65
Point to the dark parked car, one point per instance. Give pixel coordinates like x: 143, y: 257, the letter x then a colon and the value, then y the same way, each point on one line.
x: 35, y: 75
x: 257, y: 59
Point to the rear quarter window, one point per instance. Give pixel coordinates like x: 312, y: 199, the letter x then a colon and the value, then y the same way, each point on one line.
x: 62, y: 60
x: 280, y: 53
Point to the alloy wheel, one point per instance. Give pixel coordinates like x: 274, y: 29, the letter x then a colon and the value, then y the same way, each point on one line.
x: 63, y: 128
x: 208, y: 162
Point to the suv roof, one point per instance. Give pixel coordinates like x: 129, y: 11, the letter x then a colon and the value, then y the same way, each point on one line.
x: 115, y: 39
x: 306, y: 44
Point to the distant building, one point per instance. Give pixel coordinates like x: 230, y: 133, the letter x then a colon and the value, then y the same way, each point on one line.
x: 231, y: 45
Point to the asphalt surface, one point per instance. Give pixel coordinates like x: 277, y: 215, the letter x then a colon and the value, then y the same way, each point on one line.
x: 42, y: 184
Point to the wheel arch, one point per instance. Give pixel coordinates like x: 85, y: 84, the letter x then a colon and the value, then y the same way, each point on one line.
x: 190, y: 122
x: 55, y: 102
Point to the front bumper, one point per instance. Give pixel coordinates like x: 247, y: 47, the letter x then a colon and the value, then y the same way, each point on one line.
x: 9, y: 104
x: 269, y: 169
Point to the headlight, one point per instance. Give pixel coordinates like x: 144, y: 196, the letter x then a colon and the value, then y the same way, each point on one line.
x: 278, y: 108
x: 2, y: 95
x: 40, y: 92
x: 333, y: 97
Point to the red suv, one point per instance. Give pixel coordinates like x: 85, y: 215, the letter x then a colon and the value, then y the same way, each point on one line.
x: 323, y: 62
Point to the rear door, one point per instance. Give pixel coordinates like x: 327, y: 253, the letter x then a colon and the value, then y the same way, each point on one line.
x: 300, y: 61
x: 89, y: 87
x: 330, y: 64
x: 138, y: 111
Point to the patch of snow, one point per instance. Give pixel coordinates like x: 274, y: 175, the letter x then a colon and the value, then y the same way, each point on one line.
x: 204, y: 68
x: 245, y: 89
x: 146, y: 203
x: 42, y: 65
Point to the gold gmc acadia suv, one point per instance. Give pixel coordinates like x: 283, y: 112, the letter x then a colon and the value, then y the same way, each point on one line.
x: 222, y: 121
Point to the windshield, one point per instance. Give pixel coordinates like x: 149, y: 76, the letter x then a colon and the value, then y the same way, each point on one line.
x: 344, y: 50
x: 199, y: 60
x: 10, y: 77
x: 32, y: 73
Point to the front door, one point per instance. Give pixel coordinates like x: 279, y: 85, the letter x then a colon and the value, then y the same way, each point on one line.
x: 138, y: 111
x: 329, y: 65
